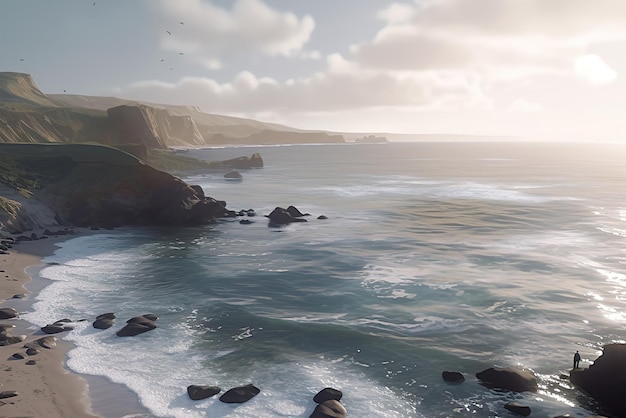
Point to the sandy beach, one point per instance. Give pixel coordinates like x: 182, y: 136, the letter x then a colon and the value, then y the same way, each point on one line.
x: 45, y: 388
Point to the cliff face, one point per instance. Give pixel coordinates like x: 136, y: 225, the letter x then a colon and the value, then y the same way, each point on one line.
x: 92, y: 185
x: 20, y: 88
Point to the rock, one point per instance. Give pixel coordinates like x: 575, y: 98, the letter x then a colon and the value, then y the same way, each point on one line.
x: 137, y: 325
x: 143, y: 318
x: 19, y: 296
x: 245, y: 222
x: 605, y: 380
x: 103, y: 323
x: 452, y: 377
x: 197, y: 392
x: 511, y: 378
x: 233, y: 175
x: 329, y: 409
x: 8, y: 313
x: 47, y: 342
x: 108, y: 315
x: 327, y: 394
x: 7, y: 394
x: 18, y: 356
x: 255, y: 161
x: 281, y: 216
x: 240, y: 394
x: 32, y: 351
x: 11, y: 339
x: 518, y: 409
x: 55, y: 328
x: 322, y: 217
x: 31, y: 362
x: 293, y: 211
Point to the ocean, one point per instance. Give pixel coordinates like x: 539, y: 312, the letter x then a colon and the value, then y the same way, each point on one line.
x: 433, y: 257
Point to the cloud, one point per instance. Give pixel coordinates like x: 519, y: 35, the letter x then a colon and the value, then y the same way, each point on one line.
x: 494, y: 37
x: 342, y: 86
x: 250, y: 26
x: 592, y: 69
x: 524, y: 106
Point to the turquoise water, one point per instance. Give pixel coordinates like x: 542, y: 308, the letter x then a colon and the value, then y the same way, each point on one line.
x: 433, y: 257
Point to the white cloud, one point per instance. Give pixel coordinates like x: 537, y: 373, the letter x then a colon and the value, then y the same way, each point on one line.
x: 592, y: 69
x: 249, y: 26
x: 495, y: 37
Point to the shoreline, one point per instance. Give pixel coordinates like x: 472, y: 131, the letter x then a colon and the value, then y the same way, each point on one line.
x: 48, y: 388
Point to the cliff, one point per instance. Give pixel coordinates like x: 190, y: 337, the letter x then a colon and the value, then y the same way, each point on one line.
x: 93, y: 185
x: 28, y: 115
x: 605, y: 379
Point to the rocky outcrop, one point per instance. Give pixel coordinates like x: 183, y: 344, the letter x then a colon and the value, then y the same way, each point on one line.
x: 282, y: 216
x: 255, y: 161
x: 605, y: 379
x: 91, y: 185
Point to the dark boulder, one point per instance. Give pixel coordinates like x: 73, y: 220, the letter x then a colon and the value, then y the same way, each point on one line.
x: 245, y: 222
x: 7, y: 394
x: 510, y: 378
x: 295, y: 212
x: 32, y: 351
x: 518, y: 408
x: 8, y: 313
x: 322, y: 217
x: 605, y: 379
x: 137, y: 325
x: 240, y: 394
x: 327, y: 394
x: 103, y: 323
x: 55, y: 328
x: 198, y: 392
x: 281, y: 216
x: 329, y: 409
x: 452, y: 377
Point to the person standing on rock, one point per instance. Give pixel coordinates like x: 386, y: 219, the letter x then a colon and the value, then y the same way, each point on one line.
x: 576, y: 360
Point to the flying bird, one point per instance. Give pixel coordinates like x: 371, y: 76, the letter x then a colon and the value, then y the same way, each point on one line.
x: 162, y: 60
x: 181, y: 53
x: 168, y: 32
x: 181, y: 23
x: 21, y: 59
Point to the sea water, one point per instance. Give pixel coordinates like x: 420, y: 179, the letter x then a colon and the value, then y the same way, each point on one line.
x: 434, y: 256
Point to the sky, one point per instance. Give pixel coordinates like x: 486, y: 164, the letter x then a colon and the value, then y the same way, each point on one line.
x: 540, y: 69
